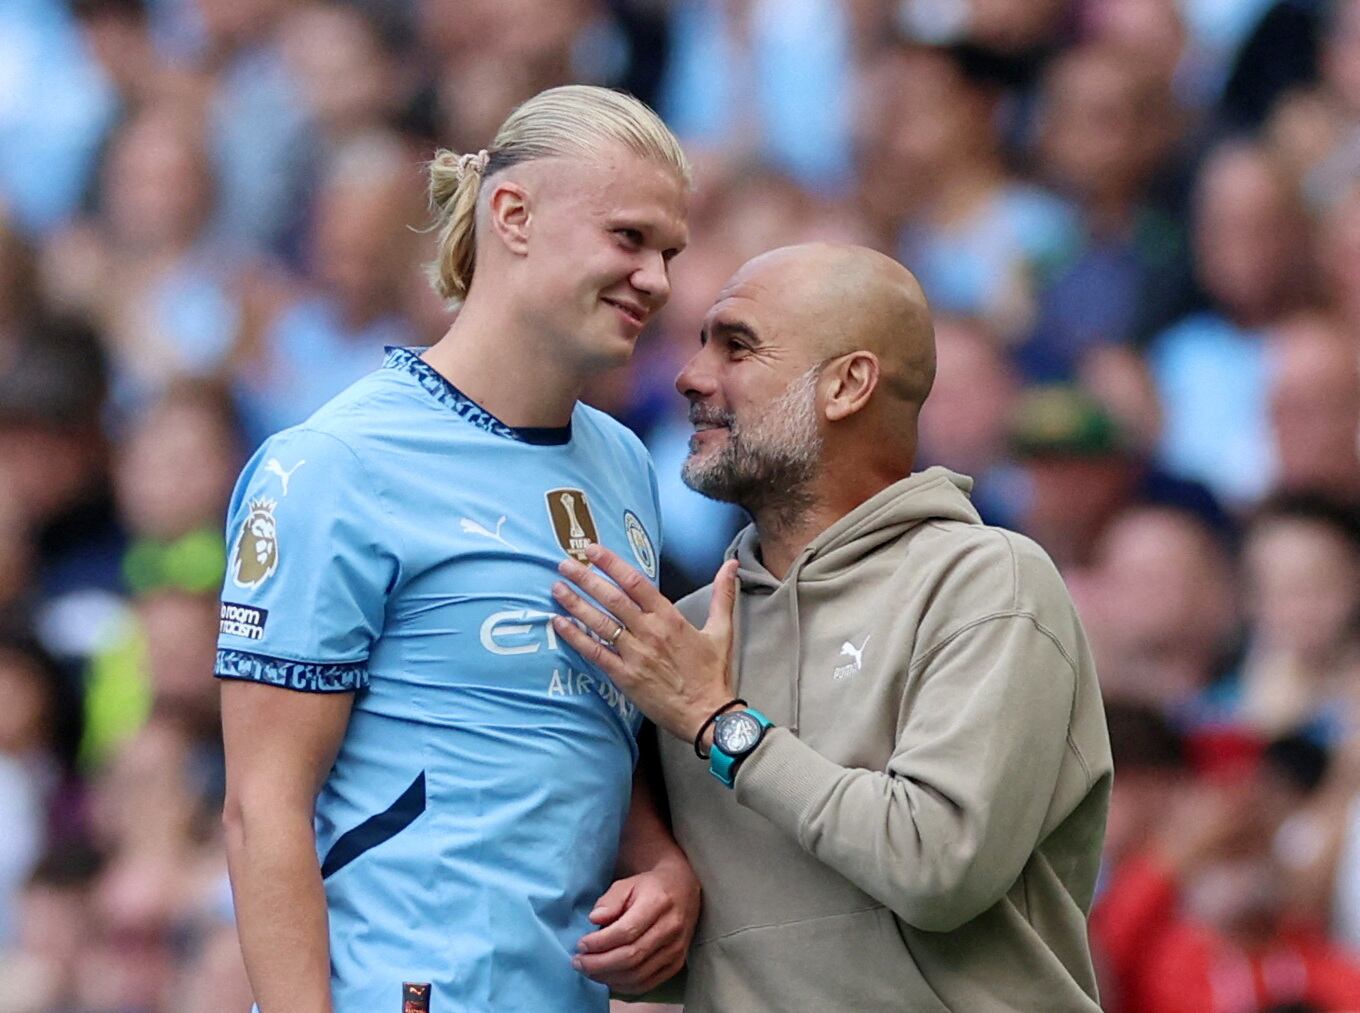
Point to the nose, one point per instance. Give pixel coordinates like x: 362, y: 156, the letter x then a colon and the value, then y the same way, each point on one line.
x: 695, y: 380
x: 653, y: 279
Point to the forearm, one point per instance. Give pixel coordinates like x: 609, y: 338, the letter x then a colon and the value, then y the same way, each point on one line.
x: 647, y: 842
x: 280, y: 910
x: 935, y: 861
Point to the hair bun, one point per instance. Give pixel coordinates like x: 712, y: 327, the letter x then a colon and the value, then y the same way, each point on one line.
x: 473, y: 163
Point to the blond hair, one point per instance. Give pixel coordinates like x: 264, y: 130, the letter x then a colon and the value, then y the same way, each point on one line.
x: 574, y: 120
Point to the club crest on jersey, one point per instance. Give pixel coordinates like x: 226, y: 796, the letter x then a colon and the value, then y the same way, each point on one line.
x: 571, y: 521
x: 641, y: 543
x: 255, y: 555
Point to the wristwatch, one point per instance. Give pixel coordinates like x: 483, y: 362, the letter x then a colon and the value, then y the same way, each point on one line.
x: 735, y: 736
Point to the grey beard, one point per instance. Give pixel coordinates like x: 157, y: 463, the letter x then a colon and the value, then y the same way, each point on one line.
x: 766, y: 467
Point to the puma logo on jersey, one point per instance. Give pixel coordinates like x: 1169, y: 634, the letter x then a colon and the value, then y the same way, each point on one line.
x: 275, y: 468
x: 471, y: 527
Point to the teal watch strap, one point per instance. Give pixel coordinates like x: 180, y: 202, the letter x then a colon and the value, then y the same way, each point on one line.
x: 724, y: 767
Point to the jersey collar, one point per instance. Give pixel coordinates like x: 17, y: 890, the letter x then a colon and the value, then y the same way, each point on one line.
x: 438, y: 386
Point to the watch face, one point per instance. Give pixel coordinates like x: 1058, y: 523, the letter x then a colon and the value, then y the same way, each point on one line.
x: 736, y: 733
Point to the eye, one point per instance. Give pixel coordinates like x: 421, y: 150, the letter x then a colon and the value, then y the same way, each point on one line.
x: 631, y: 238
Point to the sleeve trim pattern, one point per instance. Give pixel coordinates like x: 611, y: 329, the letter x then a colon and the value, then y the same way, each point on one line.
x: 304, y: 676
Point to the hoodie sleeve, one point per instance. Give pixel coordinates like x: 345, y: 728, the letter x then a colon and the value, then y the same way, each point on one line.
x: 945, y: 831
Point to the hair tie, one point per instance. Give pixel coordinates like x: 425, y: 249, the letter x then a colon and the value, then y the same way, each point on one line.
x: 472, y: 163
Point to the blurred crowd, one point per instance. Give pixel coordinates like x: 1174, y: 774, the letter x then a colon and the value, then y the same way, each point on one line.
x: 1138, y: 223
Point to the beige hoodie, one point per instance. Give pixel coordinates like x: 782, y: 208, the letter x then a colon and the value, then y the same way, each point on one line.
x: 922, y: 829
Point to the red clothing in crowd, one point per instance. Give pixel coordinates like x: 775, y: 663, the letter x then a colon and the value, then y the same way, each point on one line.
x: 1162, y: 962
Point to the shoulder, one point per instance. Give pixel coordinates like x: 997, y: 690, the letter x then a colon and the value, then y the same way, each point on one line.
x: 610, y: 438
x: 608, y: 428
x: 367, y: 417
x: 975, y: 570
x: 351, y: 441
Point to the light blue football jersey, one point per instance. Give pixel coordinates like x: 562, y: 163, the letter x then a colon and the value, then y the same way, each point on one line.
x: 402, y: 544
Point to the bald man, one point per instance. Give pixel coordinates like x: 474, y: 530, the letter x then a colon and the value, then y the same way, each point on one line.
x: 910, y: 768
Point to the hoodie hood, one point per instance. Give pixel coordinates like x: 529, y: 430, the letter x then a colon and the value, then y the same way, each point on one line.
x: 931, y: 495
x: 934, y: 494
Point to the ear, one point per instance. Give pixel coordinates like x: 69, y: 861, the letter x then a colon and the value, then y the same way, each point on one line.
x: 509, y: 215
x: 852, y: 382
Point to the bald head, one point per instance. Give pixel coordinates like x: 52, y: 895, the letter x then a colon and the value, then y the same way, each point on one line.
x: 833, y: 299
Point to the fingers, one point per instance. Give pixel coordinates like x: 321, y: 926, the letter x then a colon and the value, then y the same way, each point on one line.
x: 724, y: 601
x: 602, y: 624
x: 612, y: 902
x: 631, y: 925
x: 632, y: 963
x: 638, y: 588
x: 590, y: 649
x: 603, y: 591
x: 661, y: 968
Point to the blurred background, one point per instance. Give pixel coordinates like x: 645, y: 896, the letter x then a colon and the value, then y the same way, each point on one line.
x: 1138, y: 222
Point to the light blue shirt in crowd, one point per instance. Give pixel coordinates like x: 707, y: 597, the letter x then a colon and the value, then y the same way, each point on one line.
x: 1213, y: 381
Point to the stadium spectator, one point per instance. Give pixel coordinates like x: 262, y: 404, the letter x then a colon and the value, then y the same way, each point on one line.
x: 981, y: 241
x: 1160, y: 607
x: 1105, y: 135
x: 37, y: 725
x: 1200, y: 920
x: 171, y: 570
x: 1339, y: 255
x: 967, y: 422
x: 1316, y: 124
x: 1315, y: 408
x: 45, y: 968
x: 149, y: 270
x: 348, y: 79
x: 1082, y: 470
x: 360, y: 250
x: 261, y: 146
x: 1210, y: 367
x: 1302, y: 570
x: 54, y: 463
x: 771, y: 80
x: 154, y: 813
x: 56, y: 108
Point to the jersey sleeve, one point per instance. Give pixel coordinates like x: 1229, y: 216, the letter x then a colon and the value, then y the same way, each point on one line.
x: 310, y: 564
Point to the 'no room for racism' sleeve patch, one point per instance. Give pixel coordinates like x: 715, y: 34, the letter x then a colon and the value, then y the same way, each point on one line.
x: 242, y: 620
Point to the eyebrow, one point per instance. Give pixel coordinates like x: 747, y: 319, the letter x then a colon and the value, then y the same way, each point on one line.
x: 649, y: 229
x: 730, y: 329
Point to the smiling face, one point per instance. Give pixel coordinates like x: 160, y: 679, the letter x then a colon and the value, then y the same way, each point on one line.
x: 602, y: 233
x: 753, y: 396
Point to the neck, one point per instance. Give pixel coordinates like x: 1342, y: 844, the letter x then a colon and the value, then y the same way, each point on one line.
x: 786, y: 528
x: 504, y: 366
x: 784, y: 533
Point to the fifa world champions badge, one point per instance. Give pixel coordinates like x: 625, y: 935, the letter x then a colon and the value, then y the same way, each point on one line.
x: 255, y: 554
x: 572, y: 521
